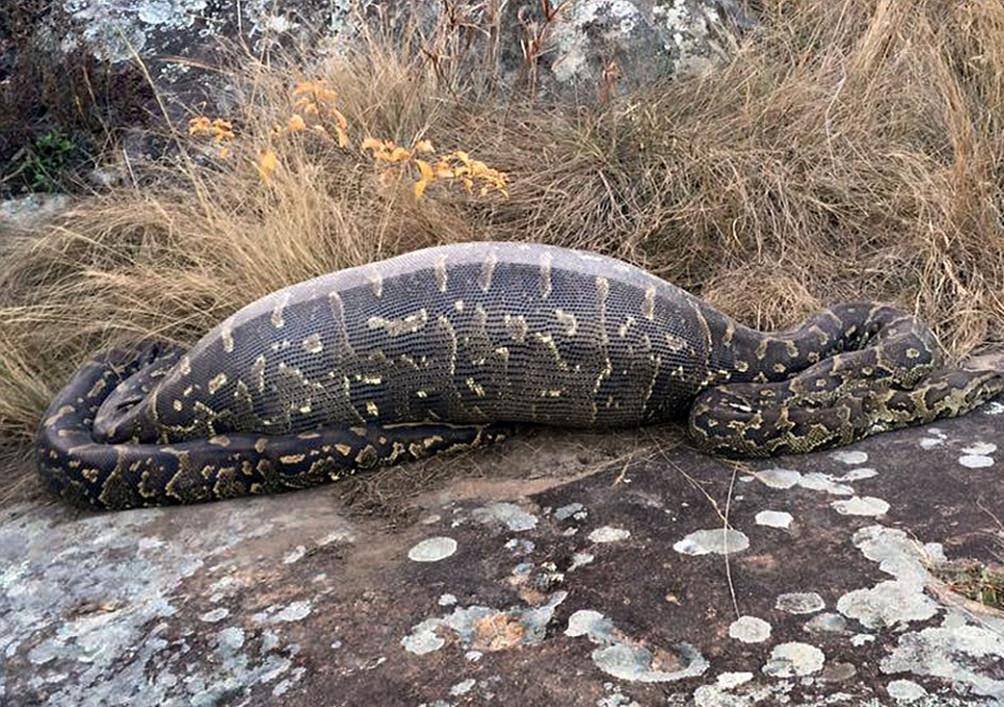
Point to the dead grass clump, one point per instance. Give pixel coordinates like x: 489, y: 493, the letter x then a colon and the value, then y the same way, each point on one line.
x: 977, y: 581
x: 848, y: 149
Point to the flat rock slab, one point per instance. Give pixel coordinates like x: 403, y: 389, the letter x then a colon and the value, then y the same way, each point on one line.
x: 673, y: 579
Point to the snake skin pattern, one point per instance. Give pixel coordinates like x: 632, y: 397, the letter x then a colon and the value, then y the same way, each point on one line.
x: 448, y: 348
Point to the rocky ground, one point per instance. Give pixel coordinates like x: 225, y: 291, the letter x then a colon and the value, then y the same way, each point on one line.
x: 658, y: 578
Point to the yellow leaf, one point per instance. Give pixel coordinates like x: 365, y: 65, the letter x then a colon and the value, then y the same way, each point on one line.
x: 424, y: 146
x: 224, y: 152
x: 198, y: 125
x: 425, y: 170
x: 267, y: 164
x: 420, y: 186
x: 339, y: 118
x: 399, y: 154
x: 371, y: 143
x: 296, y: 123
x: 343, y: 137
x: 304, y: 87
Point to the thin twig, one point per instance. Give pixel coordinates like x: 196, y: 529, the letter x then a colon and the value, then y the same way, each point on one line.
x: 725, y: 543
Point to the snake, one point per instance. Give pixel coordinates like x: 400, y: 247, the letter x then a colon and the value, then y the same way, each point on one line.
x: 456, y: 346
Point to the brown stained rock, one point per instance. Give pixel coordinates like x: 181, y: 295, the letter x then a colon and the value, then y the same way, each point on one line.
x: 573, y: 594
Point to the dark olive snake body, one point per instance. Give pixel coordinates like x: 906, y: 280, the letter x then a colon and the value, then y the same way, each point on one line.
x: 449, y: 347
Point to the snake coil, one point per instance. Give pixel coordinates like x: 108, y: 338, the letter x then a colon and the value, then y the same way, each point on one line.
x: 448, y: 348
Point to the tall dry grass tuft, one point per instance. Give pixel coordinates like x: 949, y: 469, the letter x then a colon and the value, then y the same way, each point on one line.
x: 849, y: 149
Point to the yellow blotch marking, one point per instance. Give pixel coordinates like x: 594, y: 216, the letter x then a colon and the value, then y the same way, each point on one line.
x: 568, y: 321
x: 648, y: 304
x: 258, y: 372
x: 517, y: 327
x: 277, y: 314
x: 292, y: 458
x: 503, y: 353
x: 545, y: 276
x: 312, y: 344
x: 98, y: 386
x: 227, y: 336
x: 343, y: 449
x: 622, y: 330
x: 421, y: 394
x: 178, y: 406
x: 476, y: 387
x: 602, y: 289
x: 441, y: 273
x: 62, y: 412
x: 368, y: 456
x: 779, y: 368
x: 376, y: 282
x: 675, y: 343
x: 405, y: 325
x: 730, y: 332
x: 372, y: 409
x: 185, y: 365
x: 220, y: 441
x: 742, y: 366
x: 912, y: 353
x: 260, y: 444
x: 216, y: 383
x: 459, y: 305
x: 487, y: 271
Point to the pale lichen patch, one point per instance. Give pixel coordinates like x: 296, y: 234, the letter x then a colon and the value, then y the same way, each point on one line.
x: 787, y: 478
x: 508, y: 514
x: 773, y: 519
x: 717, y: 540
x: 607, y: 534
x: 800, y: 603
x: 794, y: 659
x: 905, y: 691
x: 433, y: 549
x: 861, y: 506
x: 626, y: 659
x: 749, y: 629
x: 850, y: 456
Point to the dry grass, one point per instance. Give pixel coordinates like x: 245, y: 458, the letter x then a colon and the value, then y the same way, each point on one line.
x: 851, y: 149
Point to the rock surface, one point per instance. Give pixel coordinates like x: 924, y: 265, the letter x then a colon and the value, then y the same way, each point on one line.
x: 582, y: 46
x: 571, y: 593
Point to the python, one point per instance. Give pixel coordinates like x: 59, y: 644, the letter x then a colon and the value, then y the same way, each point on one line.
x: 453, y: 346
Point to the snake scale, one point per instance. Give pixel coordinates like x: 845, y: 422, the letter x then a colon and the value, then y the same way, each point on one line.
x: 450, y: 346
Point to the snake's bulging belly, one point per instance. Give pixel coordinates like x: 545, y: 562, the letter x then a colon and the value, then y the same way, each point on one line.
x: 463, y: 333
